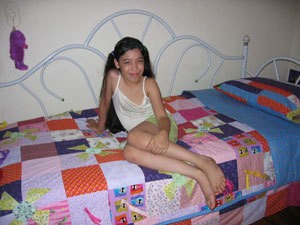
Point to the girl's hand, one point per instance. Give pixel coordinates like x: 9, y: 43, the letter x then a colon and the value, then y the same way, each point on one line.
x: 159, y: 143
x: 95, y: 125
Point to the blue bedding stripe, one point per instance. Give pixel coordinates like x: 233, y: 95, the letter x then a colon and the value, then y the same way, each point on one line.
x: 283, y: 136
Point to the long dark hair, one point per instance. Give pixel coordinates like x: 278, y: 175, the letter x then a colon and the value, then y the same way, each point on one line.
x: 127, y: 43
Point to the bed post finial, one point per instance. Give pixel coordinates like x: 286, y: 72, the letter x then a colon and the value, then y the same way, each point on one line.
x: 246, y: 40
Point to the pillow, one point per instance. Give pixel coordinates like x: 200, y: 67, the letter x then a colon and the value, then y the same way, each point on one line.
x: 275, y: 97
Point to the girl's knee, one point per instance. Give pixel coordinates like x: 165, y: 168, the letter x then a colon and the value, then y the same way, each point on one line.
x: 132, y: 136
x: 128, y: 154
x: 136, y: 139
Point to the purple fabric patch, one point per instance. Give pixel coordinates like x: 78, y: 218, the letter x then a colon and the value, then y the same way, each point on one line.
x: 228, y: 131
x: 84, y: 114
x: 63, y: 146
x: 152, y: 175
x: 3, y: 156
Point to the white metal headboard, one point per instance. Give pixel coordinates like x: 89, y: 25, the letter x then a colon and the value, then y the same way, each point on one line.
x: 86, y: 46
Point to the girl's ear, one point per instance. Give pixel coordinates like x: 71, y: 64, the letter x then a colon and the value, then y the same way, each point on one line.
x: 116, y: 64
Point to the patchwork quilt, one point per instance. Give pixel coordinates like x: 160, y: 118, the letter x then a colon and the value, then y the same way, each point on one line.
x: 55, y: 170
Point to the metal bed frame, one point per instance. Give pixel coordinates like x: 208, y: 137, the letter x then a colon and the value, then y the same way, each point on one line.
x: 197, y: 42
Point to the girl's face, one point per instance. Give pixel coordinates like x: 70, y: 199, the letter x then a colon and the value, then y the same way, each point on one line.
x: 131, y: 65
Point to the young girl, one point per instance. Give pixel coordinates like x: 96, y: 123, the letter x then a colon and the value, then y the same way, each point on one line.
x: 130, y: 91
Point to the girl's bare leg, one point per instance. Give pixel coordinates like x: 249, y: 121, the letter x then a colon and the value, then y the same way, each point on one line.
x: 164, y: 163
x: 140, y: 136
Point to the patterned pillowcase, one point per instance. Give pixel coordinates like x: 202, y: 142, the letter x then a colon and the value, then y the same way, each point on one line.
x: 275, y: 97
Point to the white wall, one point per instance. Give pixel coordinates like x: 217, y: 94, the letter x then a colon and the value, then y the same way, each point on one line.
x: 295, y: 47
x: 273, y: 26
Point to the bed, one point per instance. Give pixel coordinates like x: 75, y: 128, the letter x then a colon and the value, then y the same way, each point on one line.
x: 55, y: 170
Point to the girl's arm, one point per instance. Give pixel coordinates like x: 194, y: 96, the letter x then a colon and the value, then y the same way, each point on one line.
x: 105, y: 101
x: 159, y: 143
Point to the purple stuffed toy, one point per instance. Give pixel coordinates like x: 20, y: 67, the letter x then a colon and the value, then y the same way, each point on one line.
x: 17, y: 46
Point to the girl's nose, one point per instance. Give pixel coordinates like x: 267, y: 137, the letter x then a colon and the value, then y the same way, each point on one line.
x: 134, y: 65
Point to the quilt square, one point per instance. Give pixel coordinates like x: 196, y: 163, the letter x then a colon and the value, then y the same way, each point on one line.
x: 3, y: 133
x: 40, y: 167
x: 169, y: 108
x: 279, y: 199
x: 230, y: 169
x: 247, y: 165
x: 192, y: 114
x: 83, y: 113
x: 29, y: 152
x: 244, y: 145
x: 82, y: 124
x: 178, y: 118
x: 86, y: 208
x: 10, y: 156
x: 35, y: 127
x: 77, y: 160
x: 117, y: 170
x: 238, y: 205
x: 261, y: 139
x: 58, y: 212
x: 254, y: 211
x: 64, y: 135
x: 241, y: 126
x: 159, y: 196
x: 71, y: 146
x: 60, y: 116
x: 224, y: 118
x: 227, y: 131
x: 210, y: 121
x: 121, y: 199
x: 89, y: 133
x: 13, y: 192
x: 185, y: 104
x: 7, y: 126
x: 152, y: 175
x: 232, y: 217
x: 83, y: 180
x: 182, y: 128
x: 109, y: 156
x: 51, y: 182
x: 211, y: 146
x: 3, y: 156
x: 172, y: 98
x: 31, y: 121
x: 11, y: 173
x: 17, y: 139
x: 109, y: 142
x: 211, y: 219
x: 62, y: 124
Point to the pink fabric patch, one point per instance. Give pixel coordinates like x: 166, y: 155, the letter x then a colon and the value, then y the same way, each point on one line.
x: 40, y: 167
x: 211, y: 219
x: 219, y: 150
x: 196, y: 198
x: 184, y: 104
x: 252, y: 163
x: 58, y: 212
x: 39, y: 127
x: 233, y: 217
x: 192, y: 114
x: 294, y: 197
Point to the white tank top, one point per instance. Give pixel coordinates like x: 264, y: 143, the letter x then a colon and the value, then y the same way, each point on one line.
x: 129, y: 113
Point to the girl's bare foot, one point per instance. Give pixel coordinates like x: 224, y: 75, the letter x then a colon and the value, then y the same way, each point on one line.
x: 206, y: 189
x: 214, y: 174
